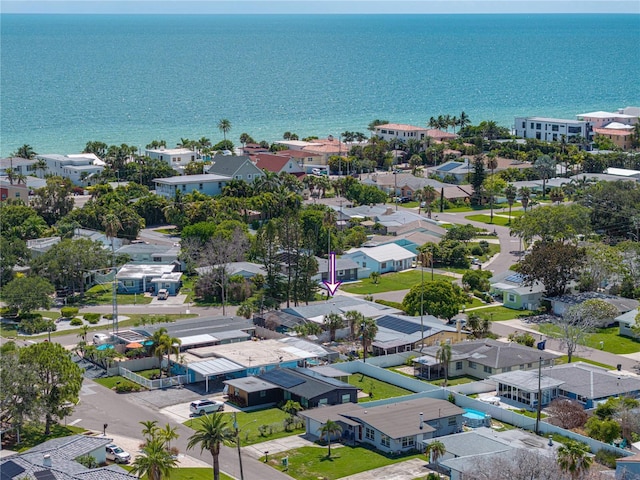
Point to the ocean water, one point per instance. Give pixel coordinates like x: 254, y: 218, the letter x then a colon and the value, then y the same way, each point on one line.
x: 69, y: 79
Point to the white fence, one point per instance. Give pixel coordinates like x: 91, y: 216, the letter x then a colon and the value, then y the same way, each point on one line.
x: 383, y: 375
x: 166, y: 382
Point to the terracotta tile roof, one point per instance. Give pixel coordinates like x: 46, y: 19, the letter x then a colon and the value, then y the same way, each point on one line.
x: 297, y: 153
x: 402, y: 126
x: 611, y: 131
x: 435, y: 133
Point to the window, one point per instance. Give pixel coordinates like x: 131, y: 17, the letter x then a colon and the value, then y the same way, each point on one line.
x: 263, y: 393
x: 408, y: 442
x: 451, y: 421
x: 322, y: 401
x: 385, y: 441
x: 506, y: 369
x: 524, y: 124
x: 555, y: 137
x: 487, y: 369
x: 458, y: 365
x: 200, y: 186
x: 128, y: 283
x: 184, y: 187
x: 364, y: 264
x: 538, y: 126
x: 472, y: 365
x: 511, y: 297
x: 383, y: 265
x: 538, y: 136
x: 531, y: 125
x: 370, y: 434
x: 248, y: 176
x: 554, y: 128
x: 346, y: 398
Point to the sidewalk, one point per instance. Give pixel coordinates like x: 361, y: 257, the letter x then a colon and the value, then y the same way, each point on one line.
x: 282, y: 445
x: 414, y: 468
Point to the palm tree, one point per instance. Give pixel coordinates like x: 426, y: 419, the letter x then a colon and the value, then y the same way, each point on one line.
x: 443, y: 356
x: 546, y: 167
x: 150, y: 428
x: 224, y: 126
x: 167, y: 434
x: 556, y: 194
x: 11, y: 175
x: 354, y: 318
x: 428, y: 195
x: 25, y: 151
x: 84, y: 329
x: 435, y: 450
x: 573, y: 459
x: 160, y: 339
x: 210, y: 434
x: 40, y: 166
x: 492, y: 164
x: 368, y: 329
x: 333, y: 321
x: 525, y: 196
x: 155, y: 461
x: 464, y: 120
x: 112, y: 226
x: 328, y: 430
x: 511, y: 192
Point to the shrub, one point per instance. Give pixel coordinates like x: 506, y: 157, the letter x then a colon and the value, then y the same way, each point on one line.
x: 607, y: 458
x: 484, y: 245
x: 76, y: 322
x: 477, y: 250
x: 108, y: 316
x: 127, y: 387
x: 91, y: 318
x: 36, y: 324
x: 389, y: 303
x: 69, y: 312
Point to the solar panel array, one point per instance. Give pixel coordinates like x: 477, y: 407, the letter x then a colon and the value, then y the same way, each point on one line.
x: 282, y: 378
x: 45, y: 475
x: 515, y: 278
x: 9, y: 470
x: 399, y: 325
x: 450, y: 166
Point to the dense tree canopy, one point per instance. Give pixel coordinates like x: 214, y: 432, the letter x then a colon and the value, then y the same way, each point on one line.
x: 559, y: 222
x: 439, y: 298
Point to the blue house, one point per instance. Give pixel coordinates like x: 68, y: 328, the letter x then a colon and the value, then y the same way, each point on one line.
x: 382, y: 259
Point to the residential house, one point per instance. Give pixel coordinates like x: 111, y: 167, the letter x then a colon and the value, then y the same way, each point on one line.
x: 80, y: 169
x: 628, y: 468
x: 602, y: 119
x: 176, y: 158
x: 590, y: 385
x: 459, y: 171
x: 251, y: 149
x: 278, y: 321
x: 552, y: 129
x: 340, y: 304
x: 346, y: 270
x: 620, y: 135
x: 403, y: 132
x: 13, y: 191
x: 252, y: 391
x: 307, y: 387
x: 381, y: 259
x: 148, y: 277
x: 236, y: 167
x: 626, y: 321
x: 148, y: 253
x: 481, y: 359
x: 22, y: 166
x: 391, y: 428
x: 326, y: 147
x: 440, y: 135
x: 401, y: 333
x: 307, y: 160
x: 209, y: 184
x: 246, y: 269
x: 521, y: 388
x: 56, y: 459
x: 560, y: 304
x: 509, y: 288
x: 278, y: 163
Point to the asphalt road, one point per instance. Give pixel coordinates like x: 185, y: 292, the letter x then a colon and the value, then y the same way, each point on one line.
x: 122, y: 413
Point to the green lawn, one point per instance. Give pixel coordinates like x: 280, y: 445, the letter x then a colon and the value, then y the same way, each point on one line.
x: 564, y: 359
x: 311, y: 463
x: 500, y: 313
x: 494, y: 249
x: 111, y: 382
x: 380, y: 389
x: 32, y: 434
x: 612, y: 342
x: 250, y: 422
x: 497, y: 220
x: 189, y: 473
x: 454, y: 381
x: 102, y: 295
x: 392, y: 281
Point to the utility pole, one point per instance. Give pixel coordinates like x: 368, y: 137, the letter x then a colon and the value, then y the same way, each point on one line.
x: 539, y: 406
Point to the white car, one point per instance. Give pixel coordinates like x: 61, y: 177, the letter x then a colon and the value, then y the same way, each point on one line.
x: 201, y: 407
x: 116, y: 454
x: 101, y: 338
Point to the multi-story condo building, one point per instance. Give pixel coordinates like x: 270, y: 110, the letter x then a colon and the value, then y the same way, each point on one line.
x: 552, y: 129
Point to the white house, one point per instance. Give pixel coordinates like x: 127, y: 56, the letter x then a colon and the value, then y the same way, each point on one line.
x: 382, y: 259
x: 236, y: 167
x: 391, y: 131
x: 78, y: 168
x: 601, y: 119
x: 175, y: 157
x: 552, y: 129
x: 209, y: 184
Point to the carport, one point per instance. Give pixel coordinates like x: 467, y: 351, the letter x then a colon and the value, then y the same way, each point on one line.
x: 214, y: 368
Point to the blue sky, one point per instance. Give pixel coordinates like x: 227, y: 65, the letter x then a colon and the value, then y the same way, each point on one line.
x: 321, y: 6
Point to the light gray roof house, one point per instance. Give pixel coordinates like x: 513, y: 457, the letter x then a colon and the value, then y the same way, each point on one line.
x: 340, y: 304
x: 237, y: 167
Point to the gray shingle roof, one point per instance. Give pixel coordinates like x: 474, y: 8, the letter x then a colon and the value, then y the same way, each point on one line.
x: 228, y: 165
x: 592, y: 382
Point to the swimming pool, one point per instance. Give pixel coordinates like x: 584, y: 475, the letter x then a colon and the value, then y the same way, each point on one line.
x: 473, y: 418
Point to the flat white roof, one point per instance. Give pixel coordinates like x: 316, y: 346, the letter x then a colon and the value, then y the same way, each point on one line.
x: 554, y: 120
x: 623, y: 172
x: 601, y: 114
x: 171, y: 151
x: 218, y: 366
x: 185, y: 179
x: 385, y: 253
